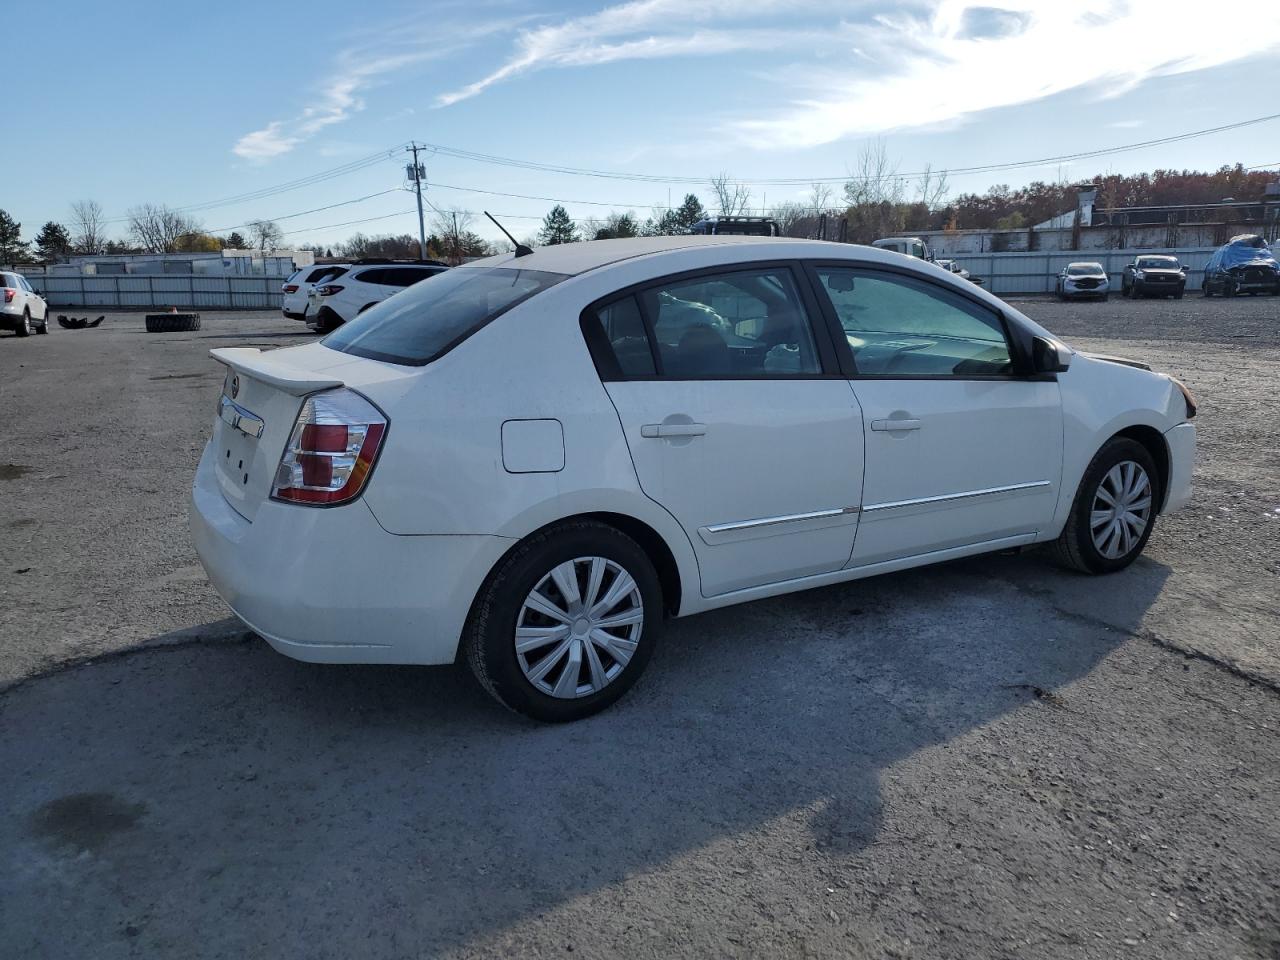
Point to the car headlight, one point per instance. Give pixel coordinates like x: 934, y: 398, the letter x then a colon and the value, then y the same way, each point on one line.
x: 1187, y: 396
x: 1137, y: 274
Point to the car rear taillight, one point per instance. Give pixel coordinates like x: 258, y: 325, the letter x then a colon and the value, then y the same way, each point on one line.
x: 8, y: 296
x: 290, y: 288
x: 332, y: 449
x: 328, y: 290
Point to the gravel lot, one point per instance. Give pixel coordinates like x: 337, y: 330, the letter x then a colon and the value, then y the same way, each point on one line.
x: 993, y: 758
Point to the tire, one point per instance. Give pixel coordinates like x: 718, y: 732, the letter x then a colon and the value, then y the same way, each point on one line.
x: 1229, y: 288
x: 23, y: 329
x: 44, y: 325
x: 1077, y: 547
x: 1178, y: 295
x: 489, y: 639
x: 1134, y: 293
x: 172, y: 322
x: 327, y: 321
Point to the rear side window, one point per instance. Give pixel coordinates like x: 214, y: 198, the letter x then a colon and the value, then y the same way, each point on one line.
x: 7, y: 281
x: 407, y: 276
x: 898, y: 326
x: 744, y: 324
x: 430, y: 319
x: 314, y: 275
x: 378, y: 277
x: 620, y: 332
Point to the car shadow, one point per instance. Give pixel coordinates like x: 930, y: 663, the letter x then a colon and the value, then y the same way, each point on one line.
x: 225, y: 800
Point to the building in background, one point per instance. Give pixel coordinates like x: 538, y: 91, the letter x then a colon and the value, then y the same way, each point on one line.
x: 228, y: 263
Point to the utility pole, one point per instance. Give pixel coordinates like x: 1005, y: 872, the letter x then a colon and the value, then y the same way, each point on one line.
x: 417, y: 173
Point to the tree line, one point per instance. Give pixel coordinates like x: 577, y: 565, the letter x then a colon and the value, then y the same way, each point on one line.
x: 152, y: 228
x: 876, y: 201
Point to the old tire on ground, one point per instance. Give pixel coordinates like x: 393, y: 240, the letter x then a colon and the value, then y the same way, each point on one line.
x: 566, y: 622
x: 1119, y: 492
x: 172, y: 322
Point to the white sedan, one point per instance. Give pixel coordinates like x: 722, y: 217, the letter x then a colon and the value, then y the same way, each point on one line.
x: 531, y: 461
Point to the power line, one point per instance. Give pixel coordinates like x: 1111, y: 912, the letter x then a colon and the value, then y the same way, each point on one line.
x: 265, y: 192
x: 303, y: 213
x: 460, y: 154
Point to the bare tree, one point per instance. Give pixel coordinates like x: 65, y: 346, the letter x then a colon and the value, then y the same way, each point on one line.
x: 452, y: 227
x: 821, y: 197
x: 932, y: 188
x: 875, y: 195
x: 732, y: 198
x: 90, y: 234
x: 793, y: 218
x: 266, y: 234
x: 157, y: 229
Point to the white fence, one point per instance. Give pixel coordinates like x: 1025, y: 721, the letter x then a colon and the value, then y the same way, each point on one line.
x: 228, y: 293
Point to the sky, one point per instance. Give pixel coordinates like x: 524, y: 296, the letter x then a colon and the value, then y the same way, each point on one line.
x: 297, y: 107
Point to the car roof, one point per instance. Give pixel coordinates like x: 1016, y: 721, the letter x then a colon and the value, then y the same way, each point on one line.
x: 1085, y: 263
x: 572, y: 259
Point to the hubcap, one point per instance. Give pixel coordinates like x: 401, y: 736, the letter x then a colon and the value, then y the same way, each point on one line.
x: 579, y: 627
x: 1121, y: 510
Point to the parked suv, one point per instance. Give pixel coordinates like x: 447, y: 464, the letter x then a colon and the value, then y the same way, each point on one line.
x: 297, y: 289
x: 335, y: 300
x: 1243, y: 265
x: 911, y: 246
x: 21, y: 308
x: 1151, y: 275
x: 530, y: 461
x: 1082, y: 280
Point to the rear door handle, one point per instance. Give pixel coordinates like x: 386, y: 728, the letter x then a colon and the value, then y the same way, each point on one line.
x: 657, y: 430
x: 895, y: 424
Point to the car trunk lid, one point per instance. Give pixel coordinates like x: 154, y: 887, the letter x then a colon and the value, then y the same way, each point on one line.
x: 261, y: 397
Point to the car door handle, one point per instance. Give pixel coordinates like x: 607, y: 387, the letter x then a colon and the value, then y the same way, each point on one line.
x: 657, y: 430
x: 895, y: 424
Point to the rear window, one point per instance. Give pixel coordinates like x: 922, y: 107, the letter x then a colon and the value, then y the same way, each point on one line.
x: 428, y: 320
x: 315, y: 275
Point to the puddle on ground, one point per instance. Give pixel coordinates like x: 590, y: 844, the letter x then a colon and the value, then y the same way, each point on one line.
x: 12, y: 471
x: 85, y: 821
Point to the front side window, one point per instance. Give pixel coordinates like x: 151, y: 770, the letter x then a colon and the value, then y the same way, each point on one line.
x: 897, y: 326
x: 429, y: 319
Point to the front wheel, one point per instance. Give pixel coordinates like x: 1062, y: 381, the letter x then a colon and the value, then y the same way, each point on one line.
x: 1114, y: 509
x: 566, y: 622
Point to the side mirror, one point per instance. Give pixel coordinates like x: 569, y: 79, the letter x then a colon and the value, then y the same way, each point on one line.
x: 1049, y: 356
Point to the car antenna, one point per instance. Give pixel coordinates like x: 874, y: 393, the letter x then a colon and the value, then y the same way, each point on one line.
x: 521, y: 249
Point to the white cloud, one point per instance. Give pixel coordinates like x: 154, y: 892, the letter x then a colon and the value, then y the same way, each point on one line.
x: 650, y: 29
x: 935, y: 69
x: 356, y: 70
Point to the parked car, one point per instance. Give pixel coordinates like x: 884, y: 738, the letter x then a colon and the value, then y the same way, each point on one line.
x: 336, y: 300
x: 1243, y: 265
x: 1155, y: 275
x: 953, y: 266
x: 737, y: 226
x: 1077, y: 281
x: 530, y: 461
x: 21, y: 308
x: 297, y: 289
x: 910, y: 246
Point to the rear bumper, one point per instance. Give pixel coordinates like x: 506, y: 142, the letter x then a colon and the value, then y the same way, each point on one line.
x: 1182, y: 457
x: 331, y: 585
x: 293, y: 315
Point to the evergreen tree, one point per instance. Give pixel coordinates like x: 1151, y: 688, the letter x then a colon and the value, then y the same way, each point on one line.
x: 12, y: 248
x: 618, y: 225
x: 237, y: 242
x: 557, y: 227
x: 53, y: 242
x: 676, y: 220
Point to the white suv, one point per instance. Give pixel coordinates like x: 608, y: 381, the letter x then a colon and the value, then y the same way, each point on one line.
x: 21, y: 308
x: 297, y: 289
x: 531, y: 460
x: 364, y: 283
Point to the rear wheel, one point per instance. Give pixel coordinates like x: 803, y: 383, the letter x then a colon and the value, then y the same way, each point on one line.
x: 566, y: 622
x: 44, y: 324
x: 1114, y: 509
x: 23, y: 329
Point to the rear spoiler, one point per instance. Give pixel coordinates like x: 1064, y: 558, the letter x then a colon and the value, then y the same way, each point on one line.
x: 264, y: 368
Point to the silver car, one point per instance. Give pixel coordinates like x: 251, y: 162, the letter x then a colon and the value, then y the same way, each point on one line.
x: 1082, y: 281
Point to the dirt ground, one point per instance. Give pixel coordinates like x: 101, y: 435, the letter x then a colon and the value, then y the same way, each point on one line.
x: 991, y: 758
